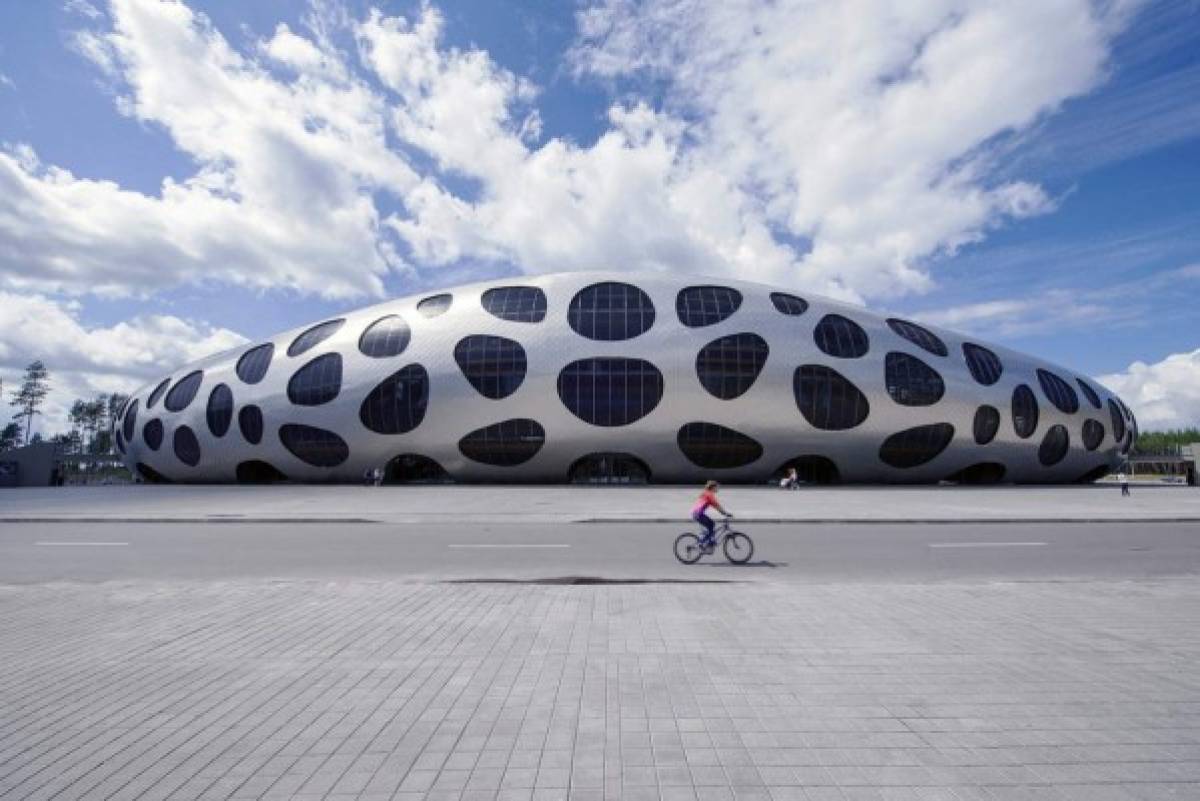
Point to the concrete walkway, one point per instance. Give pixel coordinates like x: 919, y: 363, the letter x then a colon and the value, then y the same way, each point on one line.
x: 514, y: 504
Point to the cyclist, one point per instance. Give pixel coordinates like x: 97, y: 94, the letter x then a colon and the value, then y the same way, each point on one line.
x: 708, y: 498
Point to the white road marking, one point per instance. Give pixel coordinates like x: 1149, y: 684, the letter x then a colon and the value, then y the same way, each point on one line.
x: 80, y: 542
x: 984, y: 544
x: 507, y: 545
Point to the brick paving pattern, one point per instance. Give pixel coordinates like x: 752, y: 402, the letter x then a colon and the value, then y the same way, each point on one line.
x: 391, y: 690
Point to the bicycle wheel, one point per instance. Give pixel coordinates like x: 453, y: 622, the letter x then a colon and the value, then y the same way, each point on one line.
x: 687, y: 548
x: 738, y: 547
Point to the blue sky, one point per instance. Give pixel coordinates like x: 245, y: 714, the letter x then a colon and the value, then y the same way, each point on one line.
x: 174, y: 178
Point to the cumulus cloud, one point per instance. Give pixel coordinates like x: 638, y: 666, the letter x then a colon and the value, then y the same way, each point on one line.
x: 842, y: 145
x: 1163, y: 395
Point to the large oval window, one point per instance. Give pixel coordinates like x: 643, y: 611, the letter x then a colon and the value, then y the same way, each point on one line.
x: 518, y: 304
x: 187, y: 447
x: 987, y: 424
x: 219, y: 413
x: 494, y: 365
x: 698, y: 306
x: 911, y: 382
x: 183, y: 392
x: 827, y: 399
x: 610, y: 312
x: 1060, y: 393
x: 152, y: 433
x: 317, y: 382
x: 252, y: 367
x: 715, y: 446
x: 727, y: 367
x: 1024, y: 411
x: 314, y: 336
x: 250, y: 423
x: 314, y: 446
x: 842, y: 337
x: 504, y: 444
x: 916, y: 446
x: 387, y: 336
x: 1093, y: 434
x: 610, y: 391
x: 397, y: 405
x: 984, y: 365
x: 920, y: 336
x: 1054, y: 445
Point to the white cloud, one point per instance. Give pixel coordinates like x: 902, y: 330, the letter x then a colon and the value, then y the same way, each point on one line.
x: 1162, y: 395
x: 862, y: 127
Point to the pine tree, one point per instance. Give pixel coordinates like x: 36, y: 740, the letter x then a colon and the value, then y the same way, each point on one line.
x: 34, y: 388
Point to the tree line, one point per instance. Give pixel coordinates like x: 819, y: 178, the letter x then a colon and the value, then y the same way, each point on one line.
x: 91, y: 419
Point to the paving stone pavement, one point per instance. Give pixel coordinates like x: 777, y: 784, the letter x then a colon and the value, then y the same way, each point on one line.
x: 393, y: 690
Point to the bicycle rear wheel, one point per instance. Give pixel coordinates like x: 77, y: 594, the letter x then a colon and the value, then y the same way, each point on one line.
x: 687, y: 549
x: 738, y: 547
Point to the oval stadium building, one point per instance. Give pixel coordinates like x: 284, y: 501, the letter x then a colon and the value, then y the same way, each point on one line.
x: 598, y: 378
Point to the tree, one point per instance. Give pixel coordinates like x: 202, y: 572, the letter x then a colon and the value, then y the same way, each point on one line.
x: 34, y: 388
x: 76, y: 415
x: 10, y: 436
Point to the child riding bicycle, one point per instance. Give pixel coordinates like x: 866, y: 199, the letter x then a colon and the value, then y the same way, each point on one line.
x: 708, y: 499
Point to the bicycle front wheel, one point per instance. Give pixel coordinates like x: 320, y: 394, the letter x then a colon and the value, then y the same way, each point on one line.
x: 687, y: 549
x: 738, y: 547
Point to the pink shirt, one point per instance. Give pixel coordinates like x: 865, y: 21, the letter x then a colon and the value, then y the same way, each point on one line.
x: 707, y: 498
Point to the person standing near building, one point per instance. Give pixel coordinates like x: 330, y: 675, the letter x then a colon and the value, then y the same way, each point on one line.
x: 1123, y: 480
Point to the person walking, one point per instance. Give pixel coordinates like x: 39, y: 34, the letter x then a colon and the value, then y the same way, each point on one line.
x: 1123, y: 480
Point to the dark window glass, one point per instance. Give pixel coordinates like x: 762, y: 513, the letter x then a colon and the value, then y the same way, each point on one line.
x: 715, y: 446
x: 157, y: 393
x: 121, y: 442
x: 494, y: 365
x: 987, y: 424
x: 187, y: 447
x: 916, y: 446
x: 504, y: 444
x: 397, y: 405
x: 151, y: 476
x: 911, y: 382
x: 183, y: 392
x: 1058, y: 391
x: 728, y: 366
x: 919, y: 336
x: 250, y: 422
x: 841, y: 337
x: 610, y: 391
x: 1024, y: 411
x: 984, y: 365
x: 1095, y: 474
x: 413, y: 468
x: 434, y: 305
x: 1089, y: 393
x: 698, y: 306
x: 981, y: 473
x: 1118, y: 421
x: 609, y: 468
x: 387, y: 336
x: 256, y: 471
x: 789, y: 304
x: 827, y: 399
x: 252, y: 367
x: 1054, y: 445
x: 314, y: 336
x: 220, y: 410
x: 810, y: 470
x: 317, y: 382
x: 1133, y: 427
x: 152, y: 434
x: 130, y: 422
x: 518, y: 304
x: 314, y: 446
x: 610, y: 311
x: 1093, y: 434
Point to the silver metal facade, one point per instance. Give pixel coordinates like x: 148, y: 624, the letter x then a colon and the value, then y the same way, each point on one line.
x: 767, y: 412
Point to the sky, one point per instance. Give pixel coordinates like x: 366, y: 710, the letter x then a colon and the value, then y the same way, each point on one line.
x: 179, y: 178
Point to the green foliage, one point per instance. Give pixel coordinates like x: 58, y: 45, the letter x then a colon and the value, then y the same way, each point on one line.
x: 28, y: 399
x: 1164, y: 442
x: 10, y: 436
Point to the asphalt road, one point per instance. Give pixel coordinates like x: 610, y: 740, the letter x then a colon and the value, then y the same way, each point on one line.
x: 91, y: 552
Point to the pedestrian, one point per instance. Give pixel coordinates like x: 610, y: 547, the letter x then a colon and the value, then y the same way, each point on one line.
x: 791, y: 480
x: 1123, y: 480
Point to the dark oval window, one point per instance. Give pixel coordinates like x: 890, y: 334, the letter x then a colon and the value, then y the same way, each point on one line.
x: 250, y: 423
x: 314, y: 446
x: 1024, y: 411
x: 916, y: 446
x: 609, y: 468
x: 157, y: 393
x: 414, y: 468
x: 984, y: 365
x: 1054, y: 445
x: 397, y: 405
x: 187, y: 447
x: 317, y: 382
x: 1058, y: 391
x: 981, y: 473
x: 130, y: 422
x: 252, y: 367
x: 715, y: 446
x: 183, y: 392
x: 987, y: 424
x: 256, y: 471
x: 387, y: 336
x: 827, y: 399
x: 919, y: 335
x: 121, y: 442
x: 152, y: 434
x: 911, y: 382
x: 610, y: 311
x: 1089, y: 393
x: 728, y: 366
x: 610, y: 391
x: 840, y: 336
x: 1093, y: 434
x: 789, y: 304
x: 504, y: 444
x: 518, y: 304
x: 151, y: 476
x: 219, y: 413
x: 314, y: 336
x: 494, y: 365
x: 1118, y: 421
x: 434, y: 305
x: 698, y: 306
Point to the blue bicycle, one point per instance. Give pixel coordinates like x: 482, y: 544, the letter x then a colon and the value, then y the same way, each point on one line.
x: 737, y: 546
